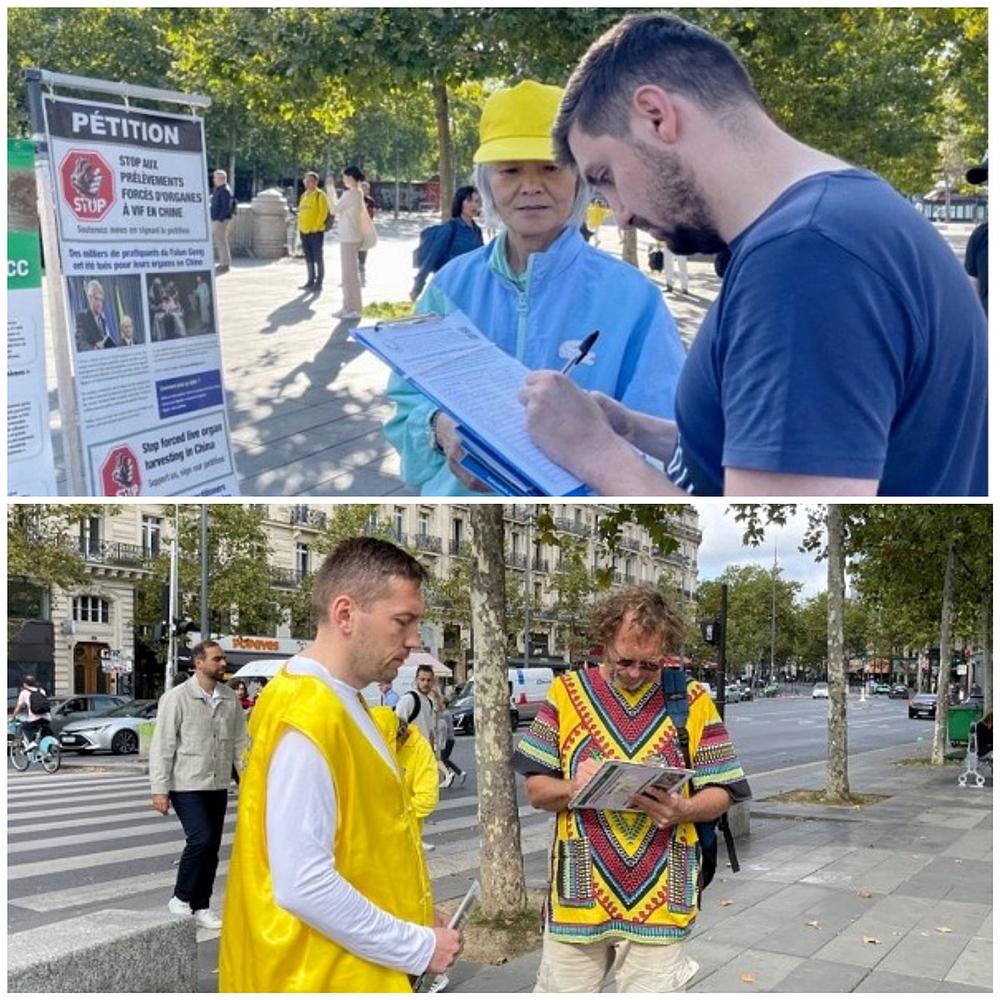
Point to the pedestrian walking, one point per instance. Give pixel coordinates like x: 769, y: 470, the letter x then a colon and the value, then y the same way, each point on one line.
x: 386, y: 696
x: 624, y: 889
x: 313, y: 212
x: 846, y: 354
x: 415, y: 707
x: 222, y: 209
x: 457, y: 236
x: 675, y: 270
x: 200, y: 736
x: 349, y: 209
x: 444, y: 725
x: 328, y: 888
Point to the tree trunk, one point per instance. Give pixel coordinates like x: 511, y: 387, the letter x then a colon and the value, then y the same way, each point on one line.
x: 944, y: 659
x: 630, y: 247
x: 446, y: 165
x: 986, y: 605
x: 836, y: 769
x: 501, y: 863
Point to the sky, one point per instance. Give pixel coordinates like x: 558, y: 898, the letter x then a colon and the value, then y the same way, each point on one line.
x: 722, y: 546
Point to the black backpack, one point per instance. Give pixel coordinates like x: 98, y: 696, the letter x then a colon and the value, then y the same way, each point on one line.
x: 38, y: 704
x: 415, y: 710
x: 429, y: 238
x: 674, y: 683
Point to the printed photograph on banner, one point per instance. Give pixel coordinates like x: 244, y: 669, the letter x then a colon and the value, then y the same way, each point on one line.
x: 108, y: 311
x: 180, y: 305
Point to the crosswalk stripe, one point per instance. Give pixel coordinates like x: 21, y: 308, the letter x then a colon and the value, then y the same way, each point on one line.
x: 137, y: 816
x: 41, y: 795
x: 74, y: 840
x: 78, y: 810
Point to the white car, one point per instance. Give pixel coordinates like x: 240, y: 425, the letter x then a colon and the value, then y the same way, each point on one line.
x: 821, y: 690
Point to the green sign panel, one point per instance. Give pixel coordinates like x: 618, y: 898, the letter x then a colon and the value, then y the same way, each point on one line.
x: 24, y: 269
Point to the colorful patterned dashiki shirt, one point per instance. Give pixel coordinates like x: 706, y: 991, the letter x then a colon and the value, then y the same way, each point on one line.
x: 615, y: 875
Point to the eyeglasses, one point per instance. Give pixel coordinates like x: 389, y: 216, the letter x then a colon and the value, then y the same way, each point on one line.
x: 646, y: 666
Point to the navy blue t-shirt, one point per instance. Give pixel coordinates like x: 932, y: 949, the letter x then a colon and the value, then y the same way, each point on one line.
x: 846, y: 341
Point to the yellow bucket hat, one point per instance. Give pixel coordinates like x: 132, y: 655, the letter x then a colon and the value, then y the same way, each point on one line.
x: 517, y: 123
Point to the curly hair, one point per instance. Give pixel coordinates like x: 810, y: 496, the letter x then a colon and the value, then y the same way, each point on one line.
x: 649, y: 610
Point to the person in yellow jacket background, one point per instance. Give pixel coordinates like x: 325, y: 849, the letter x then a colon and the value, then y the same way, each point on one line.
x: 328, y: 889
x: 313, y: 212
x: 416, y: 760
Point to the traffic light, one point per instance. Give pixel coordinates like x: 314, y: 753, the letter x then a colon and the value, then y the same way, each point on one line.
x: 183, y: 625
x: 711, y: 629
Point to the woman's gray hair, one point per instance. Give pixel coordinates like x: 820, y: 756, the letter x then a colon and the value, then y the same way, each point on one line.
x: 490, y: 217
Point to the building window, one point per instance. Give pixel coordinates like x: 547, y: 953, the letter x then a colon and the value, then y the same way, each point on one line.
x: 456, y: 534
x: 152, y: 528
x: 537, y: 595
x: 91, y: 609
x: 397, y: 523
x: 423, y: 523
x: 27, y: 600
x: 515, y: 543
x: 90, y: 537
x: 302, y: 560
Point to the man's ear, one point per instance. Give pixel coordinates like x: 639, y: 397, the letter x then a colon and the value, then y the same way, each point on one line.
x: 655, y: 113
x: 343, y: 613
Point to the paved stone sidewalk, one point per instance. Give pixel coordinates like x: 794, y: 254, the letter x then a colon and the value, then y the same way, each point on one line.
x: 913, y: 874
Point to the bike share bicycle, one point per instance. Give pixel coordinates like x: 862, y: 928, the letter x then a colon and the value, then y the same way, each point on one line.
x: 46, y: 752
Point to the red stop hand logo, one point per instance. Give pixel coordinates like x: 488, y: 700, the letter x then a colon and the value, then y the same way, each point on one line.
x: 120, y: 475
x: 87, y: 183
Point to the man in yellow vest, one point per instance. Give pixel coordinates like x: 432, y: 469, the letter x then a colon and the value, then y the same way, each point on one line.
x: 624, y: 889
x: 328, y: 888
x: 313, y: 212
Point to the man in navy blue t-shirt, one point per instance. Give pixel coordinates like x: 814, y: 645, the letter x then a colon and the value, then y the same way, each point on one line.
x: 846, y: 352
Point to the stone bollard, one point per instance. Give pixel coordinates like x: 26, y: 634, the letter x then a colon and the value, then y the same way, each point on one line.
x: 110, y: 951
x: 270, y: 222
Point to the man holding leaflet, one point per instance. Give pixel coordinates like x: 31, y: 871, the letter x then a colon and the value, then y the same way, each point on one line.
x: 846, y: 351
x: 624, y: 885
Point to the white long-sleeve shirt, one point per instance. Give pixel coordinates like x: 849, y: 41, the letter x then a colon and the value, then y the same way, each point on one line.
x: 301, y: 819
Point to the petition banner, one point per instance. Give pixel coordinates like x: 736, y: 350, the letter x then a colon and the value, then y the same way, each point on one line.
x: 131, y: 197
x: 30, y: 468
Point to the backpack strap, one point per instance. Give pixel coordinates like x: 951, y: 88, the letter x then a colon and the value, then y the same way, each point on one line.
x: 415, y: 711
x: 674, y: 684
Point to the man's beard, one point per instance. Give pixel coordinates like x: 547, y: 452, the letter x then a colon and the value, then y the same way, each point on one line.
x: 693, y: 230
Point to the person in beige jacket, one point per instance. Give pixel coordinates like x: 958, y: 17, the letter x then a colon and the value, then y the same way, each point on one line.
x: 349, y: 208
x: 200, y: 735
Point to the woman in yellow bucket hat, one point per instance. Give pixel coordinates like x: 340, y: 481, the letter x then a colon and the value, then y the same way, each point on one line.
x: 537, y: 290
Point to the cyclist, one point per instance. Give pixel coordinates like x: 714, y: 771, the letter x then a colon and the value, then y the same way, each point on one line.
x: 33, y: 699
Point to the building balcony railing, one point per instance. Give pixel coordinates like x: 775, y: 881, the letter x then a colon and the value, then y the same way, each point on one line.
x: 630, y: 545
x: 427, y: 543
x: 460, y: 547
x: 540, y: 565
x: 572, y: 526
x: 116, y: 554
x: 398, y: 536
x: 307, y: 517
x: 518, y: 512
x: 284, y: 577
x: 517, y: 559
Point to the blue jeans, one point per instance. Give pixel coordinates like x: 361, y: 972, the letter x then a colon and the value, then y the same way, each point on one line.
x: 202, y: 814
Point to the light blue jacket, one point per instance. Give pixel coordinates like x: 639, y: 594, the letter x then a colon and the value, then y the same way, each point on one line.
x: 540, y: 318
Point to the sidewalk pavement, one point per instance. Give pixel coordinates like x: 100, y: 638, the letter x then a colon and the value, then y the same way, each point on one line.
x: 895, y: 897
x: 306, y: 403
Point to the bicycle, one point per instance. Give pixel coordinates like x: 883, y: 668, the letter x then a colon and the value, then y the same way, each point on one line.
x: 47, y: 752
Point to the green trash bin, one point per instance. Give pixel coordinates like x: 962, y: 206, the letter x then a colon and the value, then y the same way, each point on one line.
x: 960, y: 718
x: 145, y: 737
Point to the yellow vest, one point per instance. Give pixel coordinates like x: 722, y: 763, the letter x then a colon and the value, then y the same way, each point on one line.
x: 416, y: 760
x: 313, y: 210
x: 265, y: 949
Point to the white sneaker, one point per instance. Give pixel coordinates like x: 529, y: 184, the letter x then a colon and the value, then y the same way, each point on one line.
x: 426, y: 846
x: 461, y: 778
x: 450, y: 780
x: 207, y: 919
x: 346, y: 314
x: 439, y: 984
x: 179, y: 907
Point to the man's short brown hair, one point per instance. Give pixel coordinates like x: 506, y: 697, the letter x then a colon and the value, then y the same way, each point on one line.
x: 361, y: 568
x: 650, y: 611
x: 200, y: 651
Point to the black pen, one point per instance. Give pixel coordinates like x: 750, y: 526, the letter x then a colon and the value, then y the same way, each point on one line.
x: 586, y: 344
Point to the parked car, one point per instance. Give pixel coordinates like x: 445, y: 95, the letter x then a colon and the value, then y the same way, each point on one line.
x: 882, y: 688
x: 821, y: 690
x: 923, y: 706
x: 117, y: 730
x: 733, y: 693
x: 899, y: 691
x: 82, y: 706
x: 463, y: 706
x: 770, y: 689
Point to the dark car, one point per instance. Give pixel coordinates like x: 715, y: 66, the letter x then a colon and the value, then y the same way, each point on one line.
x: 899, y: 691
x: 923, y: 706
x: 463, y: 710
